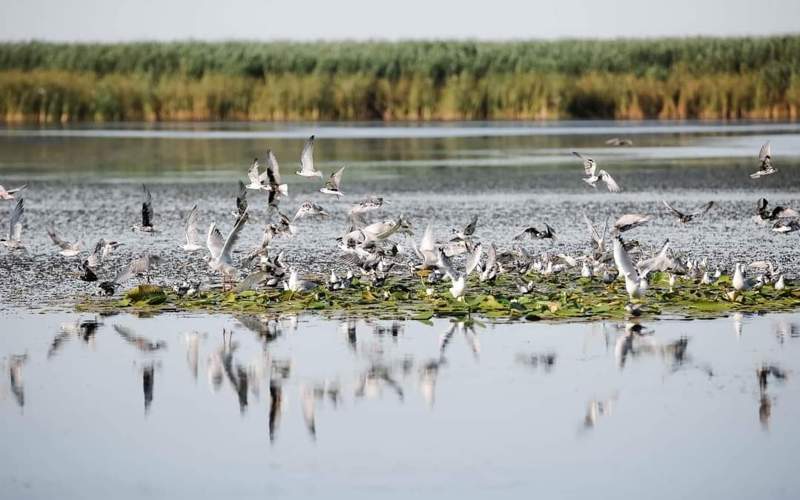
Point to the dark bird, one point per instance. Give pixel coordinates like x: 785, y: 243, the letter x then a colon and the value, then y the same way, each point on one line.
x: 547, y: 233
x: 687, y: 217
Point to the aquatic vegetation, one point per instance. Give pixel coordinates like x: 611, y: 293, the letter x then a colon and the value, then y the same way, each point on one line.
x: 551, y: 298
x: 627, y: 79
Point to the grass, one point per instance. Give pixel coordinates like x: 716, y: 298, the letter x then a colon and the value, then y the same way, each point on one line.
x: 725, y: 78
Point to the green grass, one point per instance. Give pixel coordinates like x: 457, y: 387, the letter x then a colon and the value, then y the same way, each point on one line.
x: 726, y: 78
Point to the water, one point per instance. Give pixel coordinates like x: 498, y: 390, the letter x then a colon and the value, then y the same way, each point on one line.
x: 86, y: 182
x: 438, y: 410
x: 167, y: 409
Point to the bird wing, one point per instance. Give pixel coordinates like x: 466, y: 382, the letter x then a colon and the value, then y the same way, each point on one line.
x: 14, y: 226
x: 589, y: 165
x: 147, y: 208
x: 445, y: 264
x: 705, y: 208
x: 474, y: 259
x: 675, y: 211
x: 307, y: 156
x: 610, y: 182
x: 241, y: 199
x: 427, y: 244
x: 136, y: 266
x: 57, y: 240
x: 765, y: 153
x: 491, y: 257
x: 335, y: 180
x: 15, y: 190
x: 470, y: 229
x: 233, y: 236
x: 191, y: 227
x: 252, y: 172
x: 214, y: 241
x: 273, y: 170
x: 592, y: 230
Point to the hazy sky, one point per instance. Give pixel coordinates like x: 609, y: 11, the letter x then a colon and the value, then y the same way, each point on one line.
x: 114, y: 20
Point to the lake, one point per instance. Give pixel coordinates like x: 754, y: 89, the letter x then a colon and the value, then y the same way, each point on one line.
x: 187, y: 405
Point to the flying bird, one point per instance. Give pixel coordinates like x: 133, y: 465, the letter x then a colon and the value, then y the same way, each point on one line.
x: 8, y: 194
x: 630, y: 221
x: 765, y: 157
x: 307, y: 161
x: 14, y: 237
x: 594, y: 175
x: 192, y: 235
x: 547, y: 233
x: 220, y: 249
x: 332, y: 185
x: 68, y: 248
x: 687, y: 217
x: 617, y: 141
x: 147, y: 212
x: 241, y: 202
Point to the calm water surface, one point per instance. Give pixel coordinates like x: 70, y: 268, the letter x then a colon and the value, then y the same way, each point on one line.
x: 169, y: 407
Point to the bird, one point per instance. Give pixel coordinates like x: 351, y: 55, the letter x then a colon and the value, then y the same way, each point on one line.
x: 192, y: 235
x: 778, y: 212
x: 307, y: 160
x: 147, y: 212
x: 687, y: 217
x: 102, y: 250
x: 427, y: 249
x: 274, y: 184
x: 13, y: 239
x: 140, y: 266
x: 68, y: 248
x: 635, y: 280
x: 295, y: 284
x: 616, y: 141
x: 8, y: 194
x: 368, y: 204
x: 467, y: 232
x: 765, y: 157
x: 219, y: 258
x: 309, y: 209
x: 630, y: 221
x: 594, y: 175
x: 255, y: 178
x: 740, y: 283
x: 332, y: 185
x: 547, y: 233
x: 598, y: 238
x: 241, y: 202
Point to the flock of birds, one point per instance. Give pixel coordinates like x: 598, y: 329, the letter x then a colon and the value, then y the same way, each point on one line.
x: 371, y: 248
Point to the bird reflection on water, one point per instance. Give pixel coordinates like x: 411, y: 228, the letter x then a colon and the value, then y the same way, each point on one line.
x: 255, y: 359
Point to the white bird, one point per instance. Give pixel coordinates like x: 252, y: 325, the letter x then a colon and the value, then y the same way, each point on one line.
x: 8, y: 194
x: 192, y: 235
x: 594, y: 175
x: 780, y: 284
x: 635, y: 282
x: 14, y: 237
x: 332, y: 185
x: 255, y: 177
x: 586, y: 271
x: 630, y: 221
x: 739, y: 281
x: 427, y: 249
x: 137, y: 267
x: 68, y: 248
x: 102, y: 249
x: 765, y: 157
x: 295, y: 284
x: 220, y: 250
x: 307, y: 160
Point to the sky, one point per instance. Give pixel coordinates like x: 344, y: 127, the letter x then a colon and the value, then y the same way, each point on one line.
x: 125, y: 20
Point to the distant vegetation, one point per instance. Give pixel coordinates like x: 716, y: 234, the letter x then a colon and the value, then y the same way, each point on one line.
x: 626, y: 79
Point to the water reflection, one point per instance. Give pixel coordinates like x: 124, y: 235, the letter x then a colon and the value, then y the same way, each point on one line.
x: 319, y: 391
